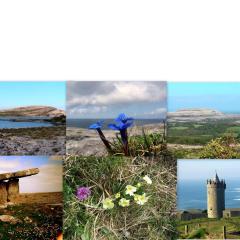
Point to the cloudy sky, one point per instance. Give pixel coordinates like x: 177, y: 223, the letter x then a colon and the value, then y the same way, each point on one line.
x: 221, y: 96
x: 49, y: 179
x: 18, y: 94
x: 190, y: 169
x: 106, y: 99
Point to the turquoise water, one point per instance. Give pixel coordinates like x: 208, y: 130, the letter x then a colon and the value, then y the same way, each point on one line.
x: 193, y: 194
x: 23, y: 124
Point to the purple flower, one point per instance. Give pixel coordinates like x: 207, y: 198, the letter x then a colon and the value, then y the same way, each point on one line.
x: 83, y: 193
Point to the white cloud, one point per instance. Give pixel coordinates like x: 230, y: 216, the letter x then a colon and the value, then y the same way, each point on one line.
x: 122, y: 92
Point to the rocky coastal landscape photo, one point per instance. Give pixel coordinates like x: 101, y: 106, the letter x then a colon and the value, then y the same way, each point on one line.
x: 32, y: 130
x: 32, y: 118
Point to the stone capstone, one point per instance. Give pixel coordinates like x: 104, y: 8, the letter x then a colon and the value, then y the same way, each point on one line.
x: 19, y: 174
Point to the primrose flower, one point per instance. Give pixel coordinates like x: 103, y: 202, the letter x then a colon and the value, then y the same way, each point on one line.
x: 123, y: 118
x: 140, y: 199
x: 117, y: 195
x: 124, y: 202
x: 138, y: 185
x: 108, y: 203
x: 130, y: 190
x: 83, y: 193
x: 147, y: 179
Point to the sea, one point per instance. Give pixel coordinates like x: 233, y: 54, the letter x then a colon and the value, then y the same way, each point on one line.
x: 193, y: 194
x: 84, y: 123
x: 21, y: 122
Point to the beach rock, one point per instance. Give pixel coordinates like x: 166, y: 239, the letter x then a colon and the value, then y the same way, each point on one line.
x: 3, y: 193
x: 18, y: 174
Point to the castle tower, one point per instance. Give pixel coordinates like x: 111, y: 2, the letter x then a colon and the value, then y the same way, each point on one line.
x: 216, y: 197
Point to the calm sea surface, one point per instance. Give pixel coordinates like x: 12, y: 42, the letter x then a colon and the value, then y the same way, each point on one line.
x: 193, y: 194
x: 84, y: 123
x: 5, y: 123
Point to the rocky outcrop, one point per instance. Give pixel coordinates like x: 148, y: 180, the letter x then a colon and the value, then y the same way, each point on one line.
x: 195, y: 112
x: 86, y: 142
x: 198, y: 114
x: 33, y: 111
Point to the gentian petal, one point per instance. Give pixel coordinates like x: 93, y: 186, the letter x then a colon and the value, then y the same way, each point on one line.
x: 113, y: 126
x: 123, y: 118
x: 96, y: 125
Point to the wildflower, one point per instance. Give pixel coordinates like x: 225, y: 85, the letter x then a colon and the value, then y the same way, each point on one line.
x: 123, y: 118
x: 130, y: 190
x: 124, y: 202
x: 122, y: 124
x: 117, y: 195
x: 140, y: 199
x: 138, y: 185
x: 107, y: 203
x: 97, y: 126
x: 83, y: 193
x: 147, y: 179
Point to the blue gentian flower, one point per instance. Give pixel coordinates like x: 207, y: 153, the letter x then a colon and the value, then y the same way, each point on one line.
x: 123, y: 118
x: 97, y: 125
x: 120, y: 126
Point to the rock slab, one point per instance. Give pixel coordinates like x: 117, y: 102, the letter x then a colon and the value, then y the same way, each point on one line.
x: 19, y: 174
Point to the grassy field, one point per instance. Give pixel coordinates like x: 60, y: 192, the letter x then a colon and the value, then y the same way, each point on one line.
x: 190, y: 133
x: 212, y: 139
x: 36, y: 221
x: 106, y: 176
x: 210, y: 228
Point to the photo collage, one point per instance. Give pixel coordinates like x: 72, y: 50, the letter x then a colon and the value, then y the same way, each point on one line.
x: 119, y: 160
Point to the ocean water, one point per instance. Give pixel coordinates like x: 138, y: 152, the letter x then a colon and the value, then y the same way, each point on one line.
x: 193, y: 194
x: 84, y: 123
x: 12, y: 124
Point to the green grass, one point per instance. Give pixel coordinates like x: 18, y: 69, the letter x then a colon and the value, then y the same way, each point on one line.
x: 35, y: 133
x: 46, y: 222
x: 210, y: 228
x: 191, y: 133
x: 108, y: 175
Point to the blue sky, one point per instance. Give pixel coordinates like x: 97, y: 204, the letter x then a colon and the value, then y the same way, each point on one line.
x: 220, y: 96
x: 17, y: 94
x: 49, y: 179
x: 204, y: 169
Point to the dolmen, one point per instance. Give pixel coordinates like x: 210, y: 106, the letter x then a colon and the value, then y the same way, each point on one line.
x: 9, y: 184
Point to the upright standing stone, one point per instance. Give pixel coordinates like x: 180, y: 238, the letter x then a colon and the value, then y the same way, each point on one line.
x: 13, y: 189
x: 3, y: 193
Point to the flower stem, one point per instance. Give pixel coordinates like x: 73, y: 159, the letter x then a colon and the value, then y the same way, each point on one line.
x: 104, y: 140
x: 124, y: 137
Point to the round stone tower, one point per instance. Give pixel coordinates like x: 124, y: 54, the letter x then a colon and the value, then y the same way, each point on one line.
x: 216, y: 197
